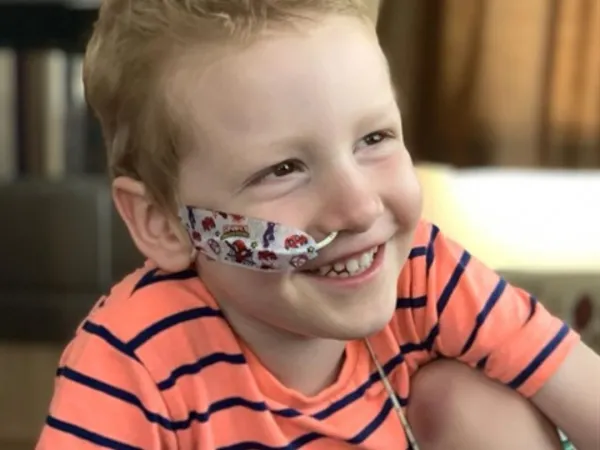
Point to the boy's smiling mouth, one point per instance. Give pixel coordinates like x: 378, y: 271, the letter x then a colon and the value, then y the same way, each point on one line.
x: 353, y: 268
x: 349, y: 266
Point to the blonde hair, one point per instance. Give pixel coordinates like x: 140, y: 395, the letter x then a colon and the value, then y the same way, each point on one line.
x: 126, y: 70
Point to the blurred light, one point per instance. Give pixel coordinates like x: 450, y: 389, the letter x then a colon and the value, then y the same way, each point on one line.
x: 523, y: 220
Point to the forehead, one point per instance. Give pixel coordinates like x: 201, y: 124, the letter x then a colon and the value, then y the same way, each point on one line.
x: 329, y: 68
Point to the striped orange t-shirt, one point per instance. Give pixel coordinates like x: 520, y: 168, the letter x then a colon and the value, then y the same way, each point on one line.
x: 156, y: 366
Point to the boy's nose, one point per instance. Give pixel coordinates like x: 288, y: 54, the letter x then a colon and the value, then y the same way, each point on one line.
x: 352, y: 206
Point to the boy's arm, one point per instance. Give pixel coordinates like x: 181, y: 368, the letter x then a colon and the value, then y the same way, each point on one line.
x: 104, y: 398
x: 571, y: 398
x: 477, y: 317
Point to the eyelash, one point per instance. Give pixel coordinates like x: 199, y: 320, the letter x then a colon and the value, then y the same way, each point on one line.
x: 384, y: 136
x: 295, y: 164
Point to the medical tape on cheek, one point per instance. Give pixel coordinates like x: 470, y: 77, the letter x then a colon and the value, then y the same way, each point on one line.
x: 248, y: 242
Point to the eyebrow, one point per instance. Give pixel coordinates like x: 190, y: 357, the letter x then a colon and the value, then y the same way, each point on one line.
x: 376, y: 113
x: 373, y: 115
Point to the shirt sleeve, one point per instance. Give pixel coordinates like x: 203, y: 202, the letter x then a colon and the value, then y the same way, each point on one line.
x: 476, y: 316
x: 104, y: 398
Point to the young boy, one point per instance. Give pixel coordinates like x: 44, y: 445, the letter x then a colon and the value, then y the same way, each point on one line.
x: 291, y: 292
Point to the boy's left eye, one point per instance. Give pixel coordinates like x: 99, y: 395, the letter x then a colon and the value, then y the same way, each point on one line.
x: 375, y: 138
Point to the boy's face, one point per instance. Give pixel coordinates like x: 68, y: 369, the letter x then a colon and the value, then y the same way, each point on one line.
x: 302, y: 128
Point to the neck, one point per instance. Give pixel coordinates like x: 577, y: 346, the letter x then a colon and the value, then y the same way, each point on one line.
x: 306, y: 365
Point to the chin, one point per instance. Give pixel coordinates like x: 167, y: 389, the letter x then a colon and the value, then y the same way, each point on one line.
x: 363, y: 320
x: 364, y: 330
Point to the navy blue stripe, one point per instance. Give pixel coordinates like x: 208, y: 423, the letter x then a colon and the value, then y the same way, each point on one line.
x: 234, y: 402
x: 374, y: 424
x: 415, y: 252
x: 294, y: 445
x: 348, y: 399
x: 87, y: 435
x: 389, y: 366
x: 171, y: 321
x: 131, y: 399
x: 109, y: 338
x: 430, y: 256
x: 452, y: 283
x: 227, y: 403
x: 338, y: 405
x: 288, y: 413
x: 411, y: 302
x: 484, y: 313
x: 151, y: 277
x: 194, y: 368
x: 540, y: 358
x: 532, y: 307
x: 114, y: 392
x: 427, y: 344
x: 145, y: 280
x: 305, y: 439
x: 410, y: 347
x: 313, y: 436
x: 482, y: 363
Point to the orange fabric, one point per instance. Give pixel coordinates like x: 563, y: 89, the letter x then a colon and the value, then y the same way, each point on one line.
x: 156, y: 366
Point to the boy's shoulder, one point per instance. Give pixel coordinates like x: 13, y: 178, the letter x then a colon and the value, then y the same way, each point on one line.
x: 148, y: 298
x: 139, y: 343
x: 161, y: 320
x: 431, y: 246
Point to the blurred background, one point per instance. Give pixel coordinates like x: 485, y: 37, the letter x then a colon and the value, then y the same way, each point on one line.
x: 501, y: 104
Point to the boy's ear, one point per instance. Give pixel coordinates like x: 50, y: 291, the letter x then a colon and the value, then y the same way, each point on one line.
x: 155, y: 232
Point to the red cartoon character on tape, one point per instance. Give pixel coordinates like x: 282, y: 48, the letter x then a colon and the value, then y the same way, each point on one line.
x: 208, y: 223
x: 295, y: 241
x: 239, y: 252
x: 266, y: 259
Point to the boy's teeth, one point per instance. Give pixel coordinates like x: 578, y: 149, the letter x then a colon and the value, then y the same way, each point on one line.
x: 366, y: 259
x: 353, y: 265
x: 349, y: 267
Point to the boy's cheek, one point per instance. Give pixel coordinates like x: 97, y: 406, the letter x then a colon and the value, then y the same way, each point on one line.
x: 405, y: 197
